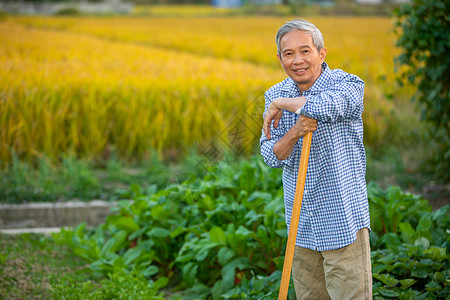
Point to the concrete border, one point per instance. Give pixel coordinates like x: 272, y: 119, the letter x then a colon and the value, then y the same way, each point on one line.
x: 53, y: 215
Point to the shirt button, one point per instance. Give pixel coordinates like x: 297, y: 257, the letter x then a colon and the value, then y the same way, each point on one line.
x: 310, y: 214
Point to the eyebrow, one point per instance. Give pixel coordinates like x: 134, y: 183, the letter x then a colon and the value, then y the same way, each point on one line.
x: 301, y: 47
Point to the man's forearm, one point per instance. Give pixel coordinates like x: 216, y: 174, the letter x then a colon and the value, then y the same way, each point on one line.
x: 290, y: 104
x: 284, y: 147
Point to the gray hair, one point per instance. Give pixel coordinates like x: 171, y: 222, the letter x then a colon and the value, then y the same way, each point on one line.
x: 302, y: 25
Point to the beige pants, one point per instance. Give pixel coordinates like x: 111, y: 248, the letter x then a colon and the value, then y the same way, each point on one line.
x: 339, y: 274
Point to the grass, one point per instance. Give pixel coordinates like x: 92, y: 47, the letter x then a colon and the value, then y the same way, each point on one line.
x: 110, y: 179
x: 33, y: 266
x: 80, y: 179
x: 31, y: 263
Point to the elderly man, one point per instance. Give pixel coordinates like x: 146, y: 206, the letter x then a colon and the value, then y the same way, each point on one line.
x: 332, y: 253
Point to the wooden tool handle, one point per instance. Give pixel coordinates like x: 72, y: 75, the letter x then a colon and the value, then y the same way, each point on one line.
x: 290, y: 246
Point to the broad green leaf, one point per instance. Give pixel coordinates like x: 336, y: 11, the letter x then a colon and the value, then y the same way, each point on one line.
x: 233, y: 293
x: 206, y: 244
x: 422, y: 242
x: 185, y: 258
x: 419, y: 273
x: 114, y: 243
x: 436, y: 253
x: 161, y: 283
x: 406, y: 283
x: 228, y: 271
x: 440, y: 277
x: 388, y: 259
x: 101, y: 266
x: 190, y: 273
x: 426, y: 262
x: 201, y: 255
x: 217, y: 235
x: 131, y: 254
x: 244, y: 231
x: 389, y: 293
x: 278, y: 261
x: 425, y: 223
x: 282, y: 233
x: 379, y: 268
x: 200, y: 291
x: 158, y: 232
x: 216, y: 290
x: 407, y: 231
x: 150, y: 271
x: 119, y: 263
x: 177, y: 232
x: 224, y: 255
x: 138, y: 233
x: 266, y: 197
x: 441, y: 213
x: 433, y: 286
x: 388, y: 280
x: 391, y: 240
x: 262, y: 234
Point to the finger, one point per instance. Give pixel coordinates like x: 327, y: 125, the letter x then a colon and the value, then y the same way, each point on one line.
x: 266, y: 128
x: 275, y: 123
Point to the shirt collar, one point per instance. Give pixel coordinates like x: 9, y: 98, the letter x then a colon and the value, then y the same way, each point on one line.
x: 292, y: 89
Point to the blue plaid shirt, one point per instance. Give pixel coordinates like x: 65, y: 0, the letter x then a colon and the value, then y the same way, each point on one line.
x: 335, y: 204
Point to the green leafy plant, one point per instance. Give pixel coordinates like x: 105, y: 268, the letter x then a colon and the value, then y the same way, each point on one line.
x: 414, y: 263
x: 388, y: 208
x: 223, y: 236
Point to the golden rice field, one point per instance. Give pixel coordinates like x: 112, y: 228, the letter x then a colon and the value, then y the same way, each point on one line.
x: 87, y: 85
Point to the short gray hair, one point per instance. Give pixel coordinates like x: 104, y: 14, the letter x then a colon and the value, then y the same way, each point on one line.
x: 302, y: 25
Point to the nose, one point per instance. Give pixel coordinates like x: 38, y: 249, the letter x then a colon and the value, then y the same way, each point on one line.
x: 298, y: 59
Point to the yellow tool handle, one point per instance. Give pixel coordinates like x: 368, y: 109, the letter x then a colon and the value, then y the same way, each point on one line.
x: 290, y: 246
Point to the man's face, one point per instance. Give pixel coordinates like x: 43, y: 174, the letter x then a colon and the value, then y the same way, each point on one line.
x: 300, y: 59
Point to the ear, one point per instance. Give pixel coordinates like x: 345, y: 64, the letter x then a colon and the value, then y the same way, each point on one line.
x: 279, y: 59
x: 323, y: 54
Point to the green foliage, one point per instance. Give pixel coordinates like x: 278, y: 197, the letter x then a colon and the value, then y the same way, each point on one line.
x: 414, y: 263
x: 117, y: 287
x: 224, y: 235
x: 51, y: 181
x: 410, y: 244
x: 424, y: 26
x: 389, y: 208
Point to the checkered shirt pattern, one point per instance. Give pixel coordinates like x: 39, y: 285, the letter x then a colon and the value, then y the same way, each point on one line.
x: 335, y: 204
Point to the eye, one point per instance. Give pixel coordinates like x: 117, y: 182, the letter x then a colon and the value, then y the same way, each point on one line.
x: 288, y: 54
x: 305, y: 51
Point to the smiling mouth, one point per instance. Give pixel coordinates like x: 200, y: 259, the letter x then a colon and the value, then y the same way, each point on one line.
x: 300, y: 70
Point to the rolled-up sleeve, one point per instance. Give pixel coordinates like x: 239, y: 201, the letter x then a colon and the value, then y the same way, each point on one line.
x: 343, y: 101
x: 276, y: 134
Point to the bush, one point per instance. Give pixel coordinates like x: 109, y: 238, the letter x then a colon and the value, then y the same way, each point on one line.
x: 423, y: 36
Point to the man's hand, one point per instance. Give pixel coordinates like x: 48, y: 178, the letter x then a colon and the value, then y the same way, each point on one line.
x: 284, y: 147
x: 305, y: 125
x: 273, y: 113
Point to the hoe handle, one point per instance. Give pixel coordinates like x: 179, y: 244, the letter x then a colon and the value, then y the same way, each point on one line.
x: 290, y: 246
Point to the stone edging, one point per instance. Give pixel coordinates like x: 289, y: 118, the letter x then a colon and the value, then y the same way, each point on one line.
x: 45, y: 215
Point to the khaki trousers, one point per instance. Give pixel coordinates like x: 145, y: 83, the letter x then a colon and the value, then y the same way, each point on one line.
x: 340, y: 274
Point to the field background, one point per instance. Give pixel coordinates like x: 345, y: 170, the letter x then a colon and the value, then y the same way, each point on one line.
x: 132, y: 87
x: 135, y: 107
